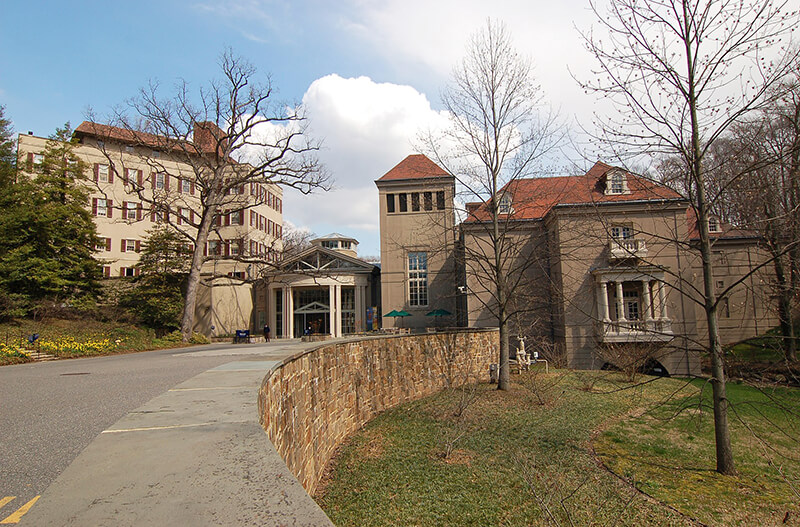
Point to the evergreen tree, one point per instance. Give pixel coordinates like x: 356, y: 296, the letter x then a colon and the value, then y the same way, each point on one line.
x: 157, y: 295
x: 8, y: 155
x: 47, y: 236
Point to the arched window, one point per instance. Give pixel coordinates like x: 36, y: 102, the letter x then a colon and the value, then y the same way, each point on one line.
x: 616, y: 183
x: 713, y: 224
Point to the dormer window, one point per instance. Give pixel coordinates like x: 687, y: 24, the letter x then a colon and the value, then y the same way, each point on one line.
x: 713, y: 224
x: 504, y: 206
x: 616, y: 183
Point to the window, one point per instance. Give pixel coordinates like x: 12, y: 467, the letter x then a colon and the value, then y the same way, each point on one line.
x: 185, y: 186
x: 621, y: 232
x: 720, y: 284
x: 725, y: 308
x: 131, y: 246
x: 713, y: 224
x: 427, y: 200
x: 213, y: 248
x: 330, y: 244
x: 504, y: 206
x: 102, y: 174
x: 390, y: 203
x: 129, y: 149
x: 131, y: 176
x: 616, y: 183
x: 161, y: 181
x: 234, y: 248
x: 345, y: 245
x: 440, y: 200
x: 101, y: 207
x: 129, y: 210
x: 38, y: 159
x: 403, y: 198
x: 127, y: 271
x: 631, y: 299
x: 415, y: 201
x: 418, y: 279
x: 103, y: 244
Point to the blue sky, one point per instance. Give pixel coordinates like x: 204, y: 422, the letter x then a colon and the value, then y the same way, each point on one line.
x: 370, y: 72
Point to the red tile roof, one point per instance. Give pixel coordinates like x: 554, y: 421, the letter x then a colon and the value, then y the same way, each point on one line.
x: 204, y: 136
x: 105, y: 131
x: 415, y: 166
x: 534, y: 198
x: 728, y: 230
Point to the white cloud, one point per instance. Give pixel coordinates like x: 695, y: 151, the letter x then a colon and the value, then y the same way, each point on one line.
x: 367, y: 128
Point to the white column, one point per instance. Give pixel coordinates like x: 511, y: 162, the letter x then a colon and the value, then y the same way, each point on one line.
x: 620, y: 303
x: 338, y: 310
x: 662, y: 299
x: 289, y: 311
x: 332, y: 309
x: 603, y: 305
x: 360, y: 311
x: 271, y: 320
x: 646, y: 300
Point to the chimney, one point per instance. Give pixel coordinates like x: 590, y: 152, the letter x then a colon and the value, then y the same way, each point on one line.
x: 206, y: 135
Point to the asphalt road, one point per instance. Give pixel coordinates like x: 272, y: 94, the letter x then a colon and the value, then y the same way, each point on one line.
x: 50, y: 411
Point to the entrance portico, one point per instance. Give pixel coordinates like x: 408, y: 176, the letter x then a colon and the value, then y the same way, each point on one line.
x: 321, y: 291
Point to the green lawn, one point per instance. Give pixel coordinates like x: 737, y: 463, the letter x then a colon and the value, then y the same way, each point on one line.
x: 84, y: 337
x: 514, y: 461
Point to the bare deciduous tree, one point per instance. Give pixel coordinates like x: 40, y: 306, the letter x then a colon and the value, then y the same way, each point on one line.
x: 233, y: 136
x: 500, y: 131
x: 680, y: 73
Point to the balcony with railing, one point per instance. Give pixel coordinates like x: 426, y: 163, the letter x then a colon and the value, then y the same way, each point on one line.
x: 654, y: 330
x: 621, y: 248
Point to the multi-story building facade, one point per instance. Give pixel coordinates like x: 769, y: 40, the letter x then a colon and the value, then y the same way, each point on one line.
x: 136, y: 184
x: 418, y: 242
x: 607, y: 266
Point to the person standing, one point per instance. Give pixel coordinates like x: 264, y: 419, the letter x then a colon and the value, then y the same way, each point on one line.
x: 266, y: 333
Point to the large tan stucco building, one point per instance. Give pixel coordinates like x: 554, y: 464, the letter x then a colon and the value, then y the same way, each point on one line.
x: 136, y: 184
x: 607, y: 262
x: 418, y: 242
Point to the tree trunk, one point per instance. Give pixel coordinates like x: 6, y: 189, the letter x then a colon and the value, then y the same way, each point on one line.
x: 193, y: 280
x: 503, y: 378
x: 785, y: 309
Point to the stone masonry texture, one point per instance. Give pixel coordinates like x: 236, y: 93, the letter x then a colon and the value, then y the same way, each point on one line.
x: 311, y: 402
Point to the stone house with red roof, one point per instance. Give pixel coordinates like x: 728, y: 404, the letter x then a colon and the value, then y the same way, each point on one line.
x: 607, y: 257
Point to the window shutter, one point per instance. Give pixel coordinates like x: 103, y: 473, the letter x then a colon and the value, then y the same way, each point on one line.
x: 153, y: 180
x: 227, y: 248
x: 122, y: 245
x: 166, y: 182
x: 110, y: 207
x: 180, y: 185
x: 108, y: 244
x: 152, y: 214
x: 111, y: 172
x: 94, y: 206
x: 191, y: 216
x: 136, y: 272
x: 96, y: 172
x: 139, y: 211
x: 191, y: 189
x: 140, y: 178
x: 125, y: 179
x: 138, y: 246
x: 241, y: 217
x: 122, y: 271
x: 179, y: 217
x: 30, y: 160
x: 166, y: 216
x: 106, y: 271
x: 240, y: 243
x: 227, y: 218
x: 124, y: 210
x: 205, y: 249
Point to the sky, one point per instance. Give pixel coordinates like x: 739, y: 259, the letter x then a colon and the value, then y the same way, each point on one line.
x: 369, y: 72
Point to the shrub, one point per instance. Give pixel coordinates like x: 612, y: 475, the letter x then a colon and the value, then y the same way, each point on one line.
x: 199, y: 338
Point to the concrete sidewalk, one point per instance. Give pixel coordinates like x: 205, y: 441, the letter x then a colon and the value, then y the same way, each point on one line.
x: 195, y: 455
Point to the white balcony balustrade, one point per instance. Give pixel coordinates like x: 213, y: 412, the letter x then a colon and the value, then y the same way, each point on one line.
x: 621, y: 248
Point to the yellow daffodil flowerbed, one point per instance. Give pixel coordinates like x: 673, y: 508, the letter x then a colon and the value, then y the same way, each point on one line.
x: 68, y: 345
x: 12, y: 352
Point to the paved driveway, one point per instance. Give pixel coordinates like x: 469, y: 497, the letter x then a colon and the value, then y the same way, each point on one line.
x: 52, y: 411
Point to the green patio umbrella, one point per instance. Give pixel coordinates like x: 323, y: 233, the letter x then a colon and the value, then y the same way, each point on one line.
x: 438, y: 313
x: 394, y: 313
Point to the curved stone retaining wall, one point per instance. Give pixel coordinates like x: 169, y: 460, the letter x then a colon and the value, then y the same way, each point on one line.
x: 310, y: 403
